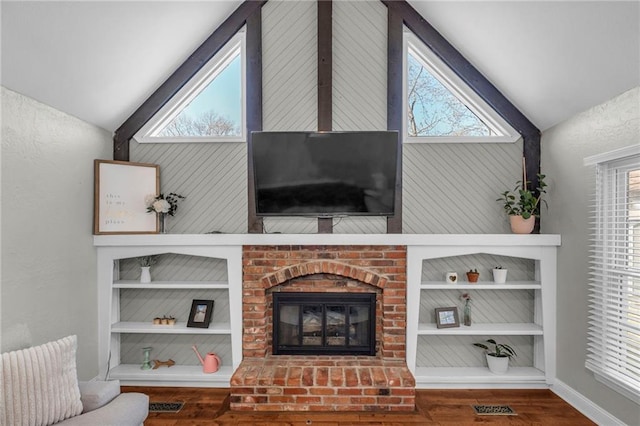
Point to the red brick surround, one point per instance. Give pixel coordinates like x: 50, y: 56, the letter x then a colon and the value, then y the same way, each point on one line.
x: 373, y: 269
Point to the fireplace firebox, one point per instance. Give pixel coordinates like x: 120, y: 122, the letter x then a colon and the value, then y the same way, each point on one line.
x: 324, y: 323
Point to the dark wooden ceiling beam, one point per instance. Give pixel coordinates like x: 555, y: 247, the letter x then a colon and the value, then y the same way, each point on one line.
x: 253, y: 98
x: 395, y: 107
x: 325, y: 82
x: 182, y: 75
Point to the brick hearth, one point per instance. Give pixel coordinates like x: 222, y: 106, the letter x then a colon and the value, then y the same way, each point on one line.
x: 319, y: 383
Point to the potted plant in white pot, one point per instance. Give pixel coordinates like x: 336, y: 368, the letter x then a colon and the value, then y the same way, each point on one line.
x: 145, y: 267
x: 498, y: 357
x: 499, y: 275
x: 523, y: 205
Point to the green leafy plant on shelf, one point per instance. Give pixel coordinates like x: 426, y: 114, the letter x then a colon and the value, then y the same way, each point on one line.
x: 521, y: 201
x: 145, y: 261
x: 500, y: 350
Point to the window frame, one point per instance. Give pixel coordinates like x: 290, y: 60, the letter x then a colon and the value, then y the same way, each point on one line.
x: 209, y: 71
x: 611, y: 215
x: 504, y: 132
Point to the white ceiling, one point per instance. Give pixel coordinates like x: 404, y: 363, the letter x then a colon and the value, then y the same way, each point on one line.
x: 100, y: 60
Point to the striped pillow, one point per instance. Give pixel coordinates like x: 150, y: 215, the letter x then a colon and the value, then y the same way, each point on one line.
x: 40, y: 384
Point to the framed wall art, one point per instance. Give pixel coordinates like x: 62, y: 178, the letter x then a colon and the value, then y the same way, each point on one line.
x: 200, y: 315
x: 447, y: 317
x: 120, y: 190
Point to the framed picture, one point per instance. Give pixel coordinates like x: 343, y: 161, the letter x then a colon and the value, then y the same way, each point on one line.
x: 120, y: 190
x: 200, y: 315
x: 447, y: 317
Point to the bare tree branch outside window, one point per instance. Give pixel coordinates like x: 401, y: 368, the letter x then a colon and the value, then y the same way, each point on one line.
x: 434, y: 111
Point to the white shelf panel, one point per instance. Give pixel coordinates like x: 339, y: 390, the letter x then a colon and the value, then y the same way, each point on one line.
x: 507, y: 329
x: 178, y: 328
x: 481, y: 285
x: 180, y: 373
x: 172, y: 285
x: 449, y: 375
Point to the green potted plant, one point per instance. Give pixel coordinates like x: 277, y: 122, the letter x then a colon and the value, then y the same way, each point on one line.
x: 499, y: 275
x: 523, y: 205
x: 498, y: 357
x: 473, y: 275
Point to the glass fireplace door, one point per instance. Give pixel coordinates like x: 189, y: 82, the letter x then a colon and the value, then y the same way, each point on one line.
x: 324, y: 323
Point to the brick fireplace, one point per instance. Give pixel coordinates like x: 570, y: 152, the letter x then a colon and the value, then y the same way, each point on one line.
x: 268, y: 382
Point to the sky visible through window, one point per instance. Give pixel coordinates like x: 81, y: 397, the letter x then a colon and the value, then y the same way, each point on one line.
x: 215, y: 111
x: 433, y: 110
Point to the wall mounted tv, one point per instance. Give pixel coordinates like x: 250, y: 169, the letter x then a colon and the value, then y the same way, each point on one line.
x: 325, y: 174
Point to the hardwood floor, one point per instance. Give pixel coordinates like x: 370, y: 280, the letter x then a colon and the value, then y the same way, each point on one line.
x: 205, y: 406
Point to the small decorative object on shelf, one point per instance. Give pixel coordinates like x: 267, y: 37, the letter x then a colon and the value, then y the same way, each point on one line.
x: 498, y: 358
x: 466, y: 316
x: 157, y: 363
x: 210, y: 363
x: 499, y: 275
x: 523, y: 205
x: 146, y: 363
x: 200, y: 315
x: 163, y: 205
x: 473, y: 275
x: 447, y: 317
x: 164, y: 321
x: 451, y: 277
x: 145, y: 268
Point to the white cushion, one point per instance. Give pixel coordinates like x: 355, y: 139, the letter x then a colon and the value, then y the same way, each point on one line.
x: 40, y: 384
x: 97, y: 394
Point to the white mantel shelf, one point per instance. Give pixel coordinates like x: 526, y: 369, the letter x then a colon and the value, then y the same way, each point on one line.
x: 477, y: 240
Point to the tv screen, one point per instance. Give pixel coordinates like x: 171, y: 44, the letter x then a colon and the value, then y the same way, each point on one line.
x: 324, y: 174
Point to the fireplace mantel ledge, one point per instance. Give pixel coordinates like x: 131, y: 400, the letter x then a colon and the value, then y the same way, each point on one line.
x: 478, y: 240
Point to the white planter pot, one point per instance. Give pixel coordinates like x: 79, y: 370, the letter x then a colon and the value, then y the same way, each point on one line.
x: 499, y: 276
x: 498, y: 364
x: 145, y: 274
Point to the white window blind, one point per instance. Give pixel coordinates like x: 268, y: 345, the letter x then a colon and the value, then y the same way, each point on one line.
x: 613, y: 352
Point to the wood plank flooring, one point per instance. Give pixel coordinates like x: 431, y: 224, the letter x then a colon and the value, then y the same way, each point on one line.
x: 205, y: 406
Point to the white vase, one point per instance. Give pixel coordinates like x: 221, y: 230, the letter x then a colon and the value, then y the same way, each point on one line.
x: 145, y: 274
x: 498, y: 364
x: 499, y: 276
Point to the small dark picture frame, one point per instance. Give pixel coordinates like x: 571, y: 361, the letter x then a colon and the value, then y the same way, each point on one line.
x: 447, y: 317
x: 200, y: 315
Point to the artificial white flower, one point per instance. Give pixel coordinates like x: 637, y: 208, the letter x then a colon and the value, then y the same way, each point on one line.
x: 161, y: 206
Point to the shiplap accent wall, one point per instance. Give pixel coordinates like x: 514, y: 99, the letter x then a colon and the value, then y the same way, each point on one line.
x: 447, y: 188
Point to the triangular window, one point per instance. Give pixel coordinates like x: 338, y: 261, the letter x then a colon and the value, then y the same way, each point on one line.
x: 209, y: 108
x: 440, y: 107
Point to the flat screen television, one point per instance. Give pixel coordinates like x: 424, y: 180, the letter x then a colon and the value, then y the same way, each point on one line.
x: 325, y: 174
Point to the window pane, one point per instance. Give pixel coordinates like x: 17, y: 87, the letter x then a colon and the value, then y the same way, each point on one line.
x: 433, y: 110
x: 215, y: 111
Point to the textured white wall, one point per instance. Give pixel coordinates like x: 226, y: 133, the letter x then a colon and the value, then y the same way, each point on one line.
x: 609, y: 126
x: 48, y: 259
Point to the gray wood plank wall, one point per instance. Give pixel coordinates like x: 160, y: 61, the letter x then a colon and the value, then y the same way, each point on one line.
x: 447, y: 188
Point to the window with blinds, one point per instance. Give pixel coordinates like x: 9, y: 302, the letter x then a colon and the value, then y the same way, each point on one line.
x: 613, y: 352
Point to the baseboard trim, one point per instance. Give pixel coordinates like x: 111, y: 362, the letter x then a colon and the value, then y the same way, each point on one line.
x: 583, y: 404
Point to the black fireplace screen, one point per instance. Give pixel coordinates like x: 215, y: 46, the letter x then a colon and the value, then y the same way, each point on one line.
x: 324, y: 323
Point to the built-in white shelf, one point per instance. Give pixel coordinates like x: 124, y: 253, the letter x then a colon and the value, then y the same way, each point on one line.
x: 172, y: 285
x: 187, y: 374
x: 420, y: 247
x: 178, y: 328
x: 508, y: 329
x: 439, y: 376
x: 486, y: 285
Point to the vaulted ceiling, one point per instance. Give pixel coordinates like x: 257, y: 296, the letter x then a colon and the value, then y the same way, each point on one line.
x: 100, y: 60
